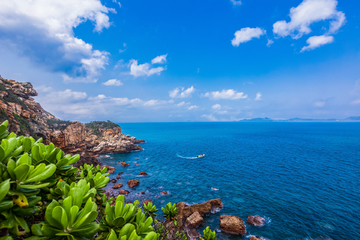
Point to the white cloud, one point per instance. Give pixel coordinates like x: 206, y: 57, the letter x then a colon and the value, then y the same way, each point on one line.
x: 193, y: 107
x: 236, y: 2
x: 181, y: 93
x: 180, y: 104
x: 43, y: 31
x: 258, y: 96
x: 308, y: 12
x: 317, y: 41
x: 246, y: 34
x: 115, y: 1
x: 209, y: 117
x: 216, y: 107
x: 143, y: 69
x: 123, y: 50
x: 225, y: 94
x: 319, y: 104
x: 159, y: 59
x: 269, y: 43
x: 43, y: 89
x: 113, y: 82
x: 356, y: 101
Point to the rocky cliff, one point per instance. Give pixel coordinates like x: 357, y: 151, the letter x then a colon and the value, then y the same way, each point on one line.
x: 28, y: 118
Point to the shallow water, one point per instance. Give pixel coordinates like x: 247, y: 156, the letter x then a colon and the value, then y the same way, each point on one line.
x: 302, y: 177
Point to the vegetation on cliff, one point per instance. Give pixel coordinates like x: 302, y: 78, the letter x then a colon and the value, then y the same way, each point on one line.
x: 43, y: 196
x: 96, y: 125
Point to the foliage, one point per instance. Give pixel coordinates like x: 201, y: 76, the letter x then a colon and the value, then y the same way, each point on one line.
x: 43, y: 197
x: 208, y: 234
x: 96, y: 125
x: 170, y: 211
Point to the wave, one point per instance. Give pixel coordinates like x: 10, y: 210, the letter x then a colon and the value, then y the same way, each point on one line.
x: 186, y: 157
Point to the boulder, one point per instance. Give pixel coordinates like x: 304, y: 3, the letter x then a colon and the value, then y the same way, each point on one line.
x: 113, y: 180
x: 194, y: 234
x: 120, y: 173
x: 255, y: 220
x: 165, y: 193
x: 143, y: 174
x: 116, y: 186
x: 136, y: 164
x: 255, y: 238
x: 194, y: 220
x: 232, y: 224
x: 123, y: 192
x: 124, y: 164
x: 118, y: 177
x: 110, y: 169
x: 133, y: 183
x: 204, y: 208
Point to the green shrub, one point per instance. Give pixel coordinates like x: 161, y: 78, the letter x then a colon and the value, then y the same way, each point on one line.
x: 208, y: 234
x: 170, y: 211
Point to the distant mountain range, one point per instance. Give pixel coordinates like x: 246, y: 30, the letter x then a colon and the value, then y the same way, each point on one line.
x: 266, y: 119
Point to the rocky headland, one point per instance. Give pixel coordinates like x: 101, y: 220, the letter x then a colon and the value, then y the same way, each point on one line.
x: 27, y: 117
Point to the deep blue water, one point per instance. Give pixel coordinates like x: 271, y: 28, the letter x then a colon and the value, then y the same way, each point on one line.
x: 302, y: 177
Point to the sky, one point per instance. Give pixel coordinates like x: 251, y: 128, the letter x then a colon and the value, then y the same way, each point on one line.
x: 175, y: 61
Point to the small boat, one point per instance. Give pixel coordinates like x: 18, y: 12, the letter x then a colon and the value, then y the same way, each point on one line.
x: 200, y: 156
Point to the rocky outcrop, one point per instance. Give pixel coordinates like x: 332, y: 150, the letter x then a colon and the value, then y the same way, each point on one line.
x: 133, y: 183
x: 124, y: 164
x: 26, y: 117
x: 232, y: 224
x: 194, y: 220
x: 255, y: 220
x: 116, y: 186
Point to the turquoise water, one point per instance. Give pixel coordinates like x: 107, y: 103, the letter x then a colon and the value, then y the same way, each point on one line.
x: 302, y: 177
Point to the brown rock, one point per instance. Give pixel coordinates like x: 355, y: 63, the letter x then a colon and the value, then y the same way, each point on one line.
x: 133, y: 183
x: 120, y: 173
x: 255, y: 220
x: 113, y: 180
x: 124, y: 164
x: 165, y: 193
x: 147, y: 201
x: 143, y: 174
x: 255, y: 238
x: 232, y: 224
x: 136, y: 164
x: 194, y: 234
x: 116, y: 186
x: 123, y: 192
x: 110, y: 169
x: 118, y: 177
x: 194, y: 220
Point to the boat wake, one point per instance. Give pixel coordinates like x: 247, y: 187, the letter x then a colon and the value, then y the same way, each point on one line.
x: 186, y: 157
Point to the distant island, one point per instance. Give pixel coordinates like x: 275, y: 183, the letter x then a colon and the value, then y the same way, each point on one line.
x: 266, y: 119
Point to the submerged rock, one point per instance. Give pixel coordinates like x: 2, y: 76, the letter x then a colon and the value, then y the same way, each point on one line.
x: 123, y: 192
x: 143, y: 174
x: 120, y: 173
x: 118, y: 177
x: 116, y: 186
x: 165, y: 193
x: 124, y: 164
x: 194, y: 220
x: 133, y: 183
x: 232, y: 224
x: 113, y: 180
x: 255, y: 220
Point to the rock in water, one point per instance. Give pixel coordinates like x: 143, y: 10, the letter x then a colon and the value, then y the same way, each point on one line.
x: 133, y: 183
x: 123, y: 192
x: 232, y: 224
x: 255, y: 238
x: 143, y: 174
x: 116, y: 186
x: 124, y: 164
x: 255, y: 220
x: 194, y: 220
x: 147, y: 201
x: 165, y: 193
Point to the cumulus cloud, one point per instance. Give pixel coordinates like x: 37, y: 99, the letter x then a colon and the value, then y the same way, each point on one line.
x: 317, y: 41
x: 308, y: 12
x: 225, y: 94
x: 209, y: 117
x: 216, y: 107
x: 269, y: 43
x: 235, y: 2
x: 145, y: 69
x: 258, y: 96
x: 246, y: 34
x: 43, y: 31
x: 181, y: 93
x: 180, y: 104
x: 113, y: 82
x: 159, y: 59
x: 193, y: 107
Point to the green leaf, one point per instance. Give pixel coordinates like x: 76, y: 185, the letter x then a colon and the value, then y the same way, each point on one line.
x: 38, y: 186
x: 48, y: 172
x: 21, y: 172
x: 4, y: 188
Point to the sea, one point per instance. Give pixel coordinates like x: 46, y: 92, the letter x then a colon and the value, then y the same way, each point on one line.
x: 303, y: 178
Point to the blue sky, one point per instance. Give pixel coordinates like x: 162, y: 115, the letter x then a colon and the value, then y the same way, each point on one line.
x: 140, y: 61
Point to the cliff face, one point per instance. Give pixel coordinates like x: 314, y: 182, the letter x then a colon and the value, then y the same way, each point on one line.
x: 28, y: 118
